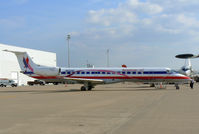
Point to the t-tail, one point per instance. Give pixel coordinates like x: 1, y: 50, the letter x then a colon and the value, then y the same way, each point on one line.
x: 29, y: 67
x: 25, y: 62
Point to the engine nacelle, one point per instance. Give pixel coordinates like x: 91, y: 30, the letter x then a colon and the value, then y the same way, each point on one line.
x: 47, y: 71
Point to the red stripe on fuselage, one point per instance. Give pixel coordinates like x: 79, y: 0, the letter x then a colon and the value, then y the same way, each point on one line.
x: 114, y: 77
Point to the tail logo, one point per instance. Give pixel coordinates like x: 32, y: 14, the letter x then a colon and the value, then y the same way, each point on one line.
x: 27, y: 64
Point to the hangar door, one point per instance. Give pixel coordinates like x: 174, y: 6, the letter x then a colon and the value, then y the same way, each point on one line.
x: 15, y: 77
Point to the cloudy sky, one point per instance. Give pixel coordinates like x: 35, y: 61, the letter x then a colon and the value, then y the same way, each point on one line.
x: 137, y: 32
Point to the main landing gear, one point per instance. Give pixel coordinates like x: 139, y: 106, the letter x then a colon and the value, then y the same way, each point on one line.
x: 177, y: 86
x: 84, y: 88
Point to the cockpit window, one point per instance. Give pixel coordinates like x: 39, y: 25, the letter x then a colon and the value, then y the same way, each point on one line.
x: 168, y: 71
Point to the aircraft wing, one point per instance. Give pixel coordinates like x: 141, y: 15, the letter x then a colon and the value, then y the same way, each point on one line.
x: 82, y: 80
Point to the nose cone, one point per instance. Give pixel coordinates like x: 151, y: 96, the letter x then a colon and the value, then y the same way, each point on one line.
x: 183, y: 77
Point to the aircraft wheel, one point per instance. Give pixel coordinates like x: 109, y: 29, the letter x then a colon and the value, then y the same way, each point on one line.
x: 83, y: 88
x: 177, y: 87
x: 55, y: 83
x: 89, y: 88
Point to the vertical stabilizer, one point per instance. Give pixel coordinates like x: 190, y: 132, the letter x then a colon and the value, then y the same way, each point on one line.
x: 25, y: 62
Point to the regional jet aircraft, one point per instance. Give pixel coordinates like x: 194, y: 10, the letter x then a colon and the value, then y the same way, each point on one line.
x: 90, y: 77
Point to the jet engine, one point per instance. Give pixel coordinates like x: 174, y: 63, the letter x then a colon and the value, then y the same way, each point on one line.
x: 47, y: 71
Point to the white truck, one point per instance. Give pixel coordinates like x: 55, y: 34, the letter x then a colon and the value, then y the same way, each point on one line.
x: 7, y: 82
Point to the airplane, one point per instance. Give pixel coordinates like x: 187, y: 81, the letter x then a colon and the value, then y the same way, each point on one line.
x: 187, y: 69
x: 90, y: 77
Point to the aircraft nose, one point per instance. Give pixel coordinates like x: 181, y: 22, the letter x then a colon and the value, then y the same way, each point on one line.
x: 184, y: 77
x: 188, y: 78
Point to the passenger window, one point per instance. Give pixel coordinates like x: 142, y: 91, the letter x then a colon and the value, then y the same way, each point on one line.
x: 78, y: 72
x: 63, y: 72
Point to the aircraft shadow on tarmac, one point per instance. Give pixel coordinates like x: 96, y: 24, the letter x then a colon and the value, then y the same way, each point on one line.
x: 39, y: 91
x: 109, y: 89
x: 137, y: 89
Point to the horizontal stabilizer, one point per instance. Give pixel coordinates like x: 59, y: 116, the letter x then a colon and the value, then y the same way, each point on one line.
x: 16, y: 52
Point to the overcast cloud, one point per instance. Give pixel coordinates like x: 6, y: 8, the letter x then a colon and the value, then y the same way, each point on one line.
x: 144, y: 33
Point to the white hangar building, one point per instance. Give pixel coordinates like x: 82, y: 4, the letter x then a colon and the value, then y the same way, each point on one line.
x: 9, y: 67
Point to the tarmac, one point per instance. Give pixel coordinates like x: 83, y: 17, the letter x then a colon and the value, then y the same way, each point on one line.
x: 107, y: 109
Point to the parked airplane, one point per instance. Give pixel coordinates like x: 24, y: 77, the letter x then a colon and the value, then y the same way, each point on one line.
x: 91, y: 77
x: 187, y: 68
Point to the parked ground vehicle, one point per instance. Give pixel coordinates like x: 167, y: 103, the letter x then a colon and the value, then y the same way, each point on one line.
x: 7, y: 82
x: 36, y: 82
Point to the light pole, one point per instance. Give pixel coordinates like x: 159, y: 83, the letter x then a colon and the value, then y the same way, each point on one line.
x: 68, y: 38
x: 107, y: 57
